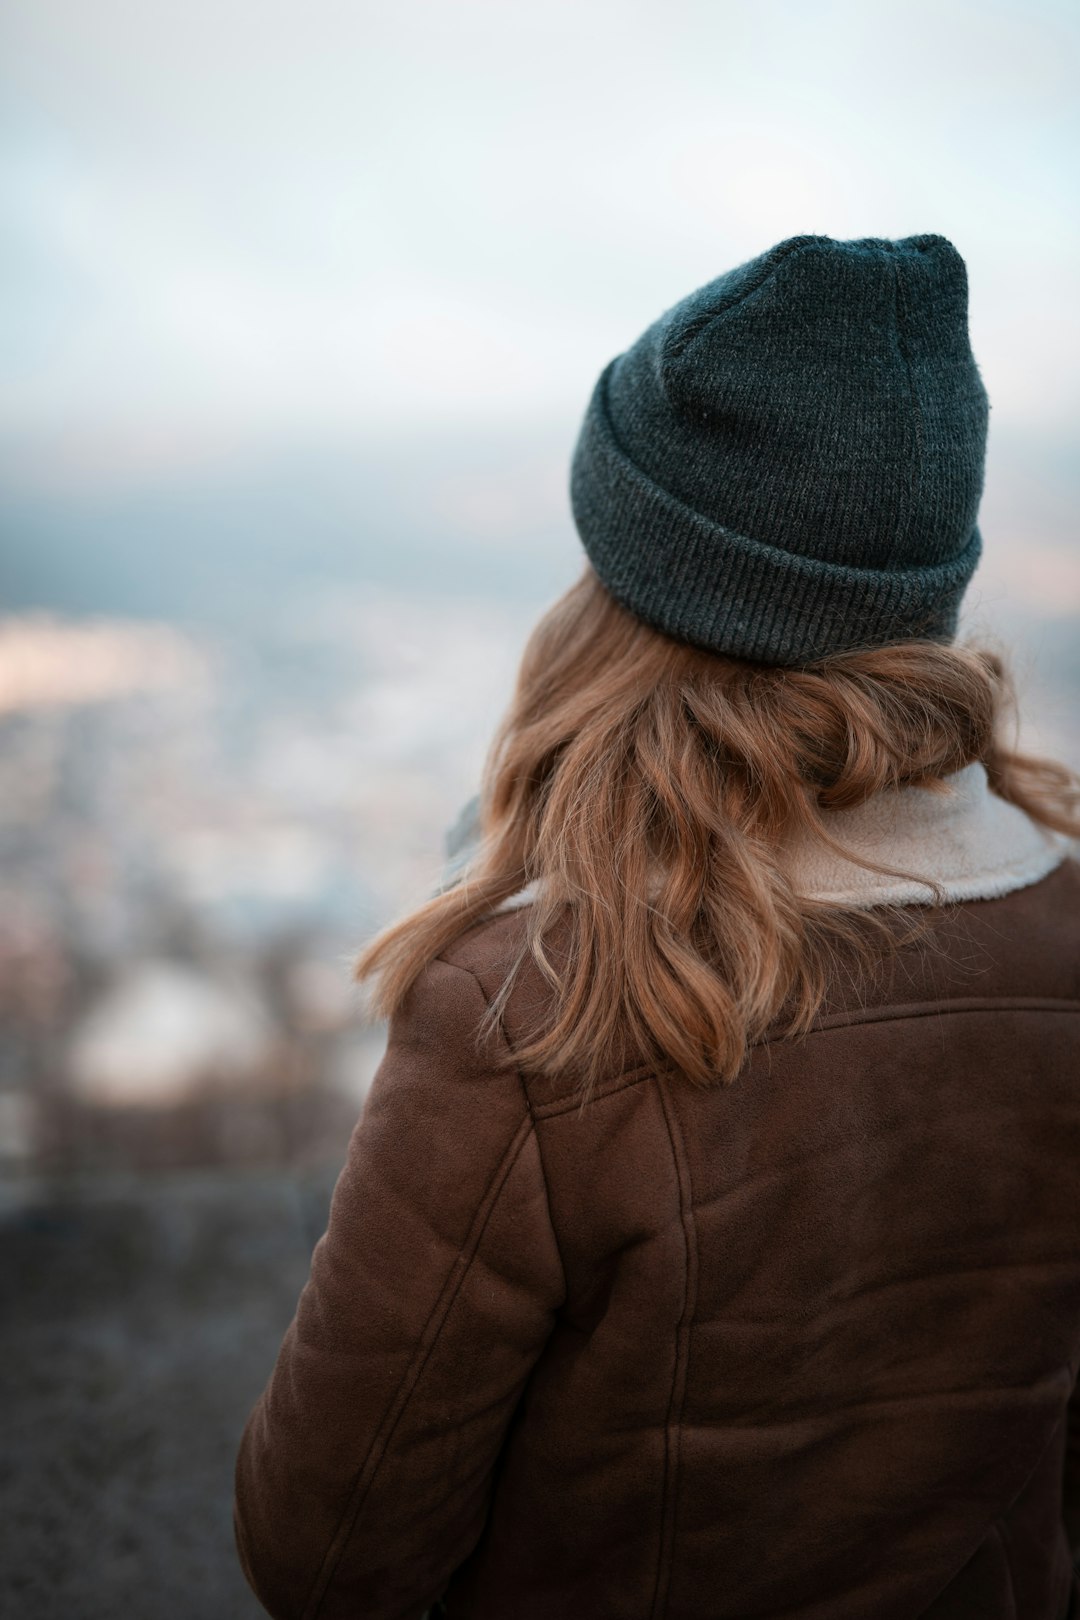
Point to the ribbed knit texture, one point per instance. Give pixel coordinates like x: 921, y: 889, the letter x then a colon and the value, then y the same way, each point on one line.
x: 789, y: 462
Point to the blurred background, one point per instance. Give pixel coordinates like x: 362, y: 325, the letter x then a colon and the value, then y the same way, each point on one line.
x: 301, y: 309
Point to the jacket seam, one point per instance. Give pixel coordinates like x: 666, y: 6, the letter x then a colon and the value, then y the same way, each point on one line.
x: 677, y: 1393
x: 941, y: 1009
x: 1005, y: 1543
x: 840, y: 1021
x: 368, y: 1470
x: 531, y: 1112
x: 563, y: 1105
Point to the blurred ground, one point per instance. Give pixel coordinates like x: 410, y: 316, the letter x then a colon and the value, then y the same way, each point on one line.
x: 141, y: 1318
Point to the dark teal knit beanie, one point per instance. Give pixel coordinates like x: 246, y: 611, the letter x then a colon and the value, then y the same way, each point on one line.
x: 789, y: 462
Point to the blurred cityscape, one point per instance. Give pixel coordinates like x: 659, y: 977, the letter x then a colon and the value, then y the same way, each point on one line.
x: 196, y: 835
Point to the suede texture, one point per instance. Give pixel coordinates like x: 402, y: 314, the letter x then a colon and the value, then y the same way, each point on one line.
x: 802, y: 1346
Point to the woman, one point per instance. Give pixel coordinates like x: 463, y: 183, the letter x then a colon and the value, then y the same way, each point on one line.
x: 709, y: 1244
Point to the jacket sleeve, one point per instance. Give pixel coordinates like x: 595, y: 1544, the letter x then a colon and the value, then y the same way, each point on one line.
x: 365, y: 1469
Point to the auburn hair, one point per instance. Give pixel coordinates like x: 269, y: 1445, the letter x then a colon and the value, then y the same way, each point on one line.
x: 649, y: 789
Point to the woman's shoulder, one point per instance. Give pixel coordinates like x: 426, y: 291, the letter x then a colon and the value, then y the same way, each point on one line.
x: 488, y: 948
x: 497, y: 949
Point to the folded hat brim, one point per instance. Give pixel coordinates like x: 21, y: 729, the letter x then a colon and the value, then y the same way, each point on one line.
x: 699, y: 582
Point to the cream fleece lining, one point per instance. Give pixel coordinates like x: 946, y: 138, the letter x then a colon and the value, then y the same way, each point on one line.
x: 970, y: 842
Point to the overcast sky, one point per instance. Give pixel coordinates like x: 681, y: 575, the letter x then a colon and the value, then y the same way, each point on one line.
x: 231, y: 224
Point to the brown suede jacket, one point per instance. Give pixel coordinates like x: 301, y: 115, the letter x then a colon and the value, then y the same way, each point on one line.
x: 803, y: 1346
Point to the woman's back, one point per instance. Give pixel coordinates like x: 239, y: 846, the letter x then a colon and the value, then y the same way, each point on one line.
x: 801, y: 1345
x: 821, y: 1327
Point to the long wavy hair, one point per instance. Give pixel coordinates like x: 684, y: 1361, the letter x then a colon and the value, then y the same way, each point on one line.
x: 649, y: 790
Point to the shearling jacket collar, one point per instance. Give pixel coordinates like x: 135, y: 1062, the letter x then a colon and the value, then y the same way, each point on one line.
x: 965, y: 841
